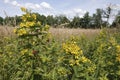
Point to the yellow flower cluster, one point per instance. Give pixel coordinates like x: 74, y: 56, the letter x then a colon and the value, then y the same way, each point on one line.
x: 30, y: 25
x: 28, y: 20
x: 28, y: 17
x: 84, y: 59
x: 91, y: 68
x: 15, y: 30
x: 21, y: 32
x: 23, y: 9
x: 73, y: 62
x: 27, y: 24
x: 118, y: 53
x: 72, y: 48
x: 46, y: 27
x: 118, y: 48
x: 24, y: 51
x: 112, y: 41
x: 34, y: 16
x: 62, y: 71
x: 24, y: 18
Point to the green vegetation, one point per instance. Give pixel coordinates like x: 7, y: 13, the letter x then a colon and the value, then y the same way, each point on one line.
x: 35, y: 55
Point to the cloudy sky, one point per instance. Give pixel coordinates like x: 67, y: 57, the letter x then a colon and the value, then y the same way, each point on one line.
x: 69, y: 8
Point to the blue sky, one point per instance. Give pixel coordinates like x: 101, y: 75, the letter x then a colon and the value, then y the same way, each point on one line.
x: 69, y: 8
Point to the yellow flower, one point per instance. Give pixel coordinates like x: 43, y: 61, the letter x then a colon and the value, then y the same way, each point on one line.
x: 72, y: 62
x: 22, y: 25
x: 77, y: 62
x: 62, y: 71
x: 46, y: 27
x: 72, y: 48
x: 38, y: 23
x: 23, y: 9
x: 118, y: 58
x: 81, y: 52
x: 34, y: 16
x: 112, y: 41
x: 24, y: 18
x: 15, y: 30
x: 84, y: 59
x: 24, y: 51
x: 27, y: 24
x: 110, y: 63
x: 91, y: 68
x: 30, y: 54
x: 118, y: 48
x: 33, y: 42
x: 22, y: 32
x: 10, y: 53
x: 76, y: 56
x: 30, y: 24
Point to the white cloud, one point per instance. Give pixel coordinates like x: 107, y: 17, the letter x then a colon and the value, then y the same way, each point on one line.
x: 15, y: 3
x: 37, y: 6
x: 12, y: 2
x: 31, y: 6
x: 116, y: 6
x: 46, y: 9
x: 43, y: 5
x: 6, y: 1
x: 79, y: 11
x: 74, y: 12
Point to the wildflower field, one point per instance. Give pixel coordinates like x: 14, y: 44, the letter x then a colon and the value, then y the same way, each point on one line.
x: 35, y: 55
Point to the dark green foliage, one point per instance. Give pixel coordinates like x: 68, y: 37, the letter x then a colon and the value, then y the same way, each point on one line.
x: 1, y: 21
x: 98, y: 18
x: 116, y: 22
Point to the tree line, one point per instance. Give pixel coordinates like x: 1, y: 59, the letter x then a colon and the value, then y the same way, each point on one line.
x: 98, y: 20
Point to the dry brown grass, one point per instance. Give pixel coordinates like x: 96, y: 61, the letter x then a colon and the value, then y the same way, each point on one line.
x: 65, y: 33
x: 6, y: 31
x: 57, y: 33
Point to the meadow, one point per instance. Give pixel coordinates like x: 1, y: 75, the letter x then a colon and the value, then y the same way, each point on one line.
x: 34, y: 51
x: 60, y: 34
